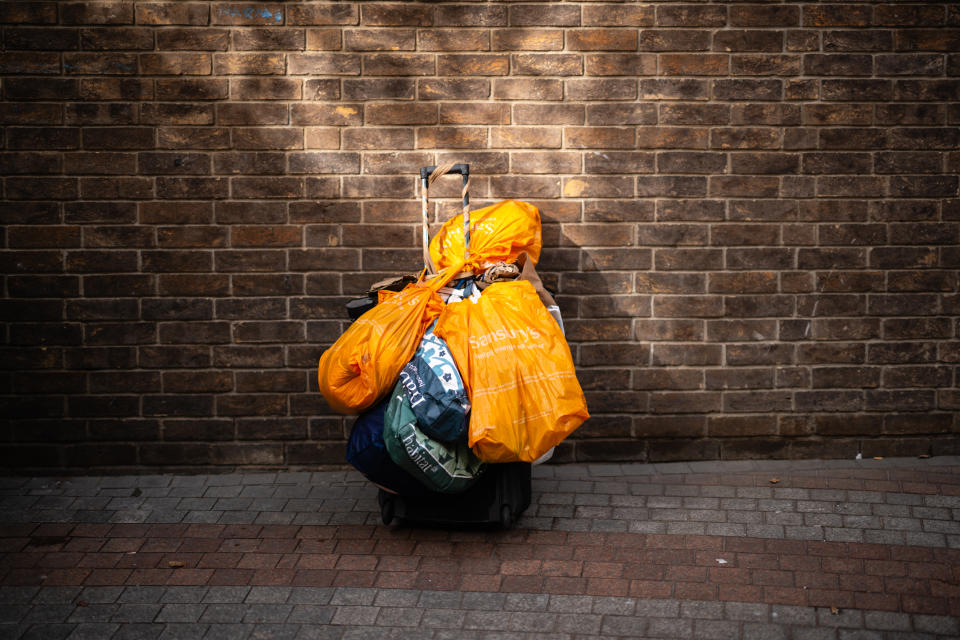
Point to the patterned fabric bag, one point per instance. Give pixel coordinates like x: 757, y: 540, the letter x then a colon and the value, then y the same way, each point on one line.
x: 445, y: 468
x: 435, y: 390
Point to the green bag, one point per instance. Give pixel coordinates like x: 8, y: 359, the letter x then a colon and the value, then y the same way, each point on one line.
x: 442, y: 467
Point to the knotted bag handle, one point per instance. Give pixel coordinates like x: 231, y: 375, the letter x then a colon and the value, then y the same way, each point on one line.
x: 427, y: 177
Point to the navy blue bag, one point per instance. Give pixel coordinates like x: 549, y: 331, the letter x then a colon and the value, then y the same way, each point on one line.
x: 367, y: 452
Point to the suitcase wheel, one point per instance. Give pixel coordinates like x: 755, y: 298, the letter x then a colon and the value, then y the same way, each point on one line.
x: 506, y: 516
x: 386, y: 510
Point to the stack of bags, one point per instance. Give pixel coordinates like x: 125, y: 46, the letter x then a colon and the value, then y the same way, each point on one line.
x: 459, y: 369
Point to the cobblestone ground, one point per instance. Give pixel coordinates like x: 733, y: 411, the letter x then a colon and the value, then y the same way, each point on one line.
x: 783, y: 550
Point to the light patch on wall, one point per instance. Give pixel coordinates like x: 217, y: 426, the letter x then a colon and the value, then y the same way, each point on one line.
x: 574, y: 188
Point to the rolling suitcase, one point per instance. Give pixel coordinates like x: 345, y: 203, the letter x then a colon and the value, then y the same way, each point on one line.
x: 502, y: 494
x: 498, y: 498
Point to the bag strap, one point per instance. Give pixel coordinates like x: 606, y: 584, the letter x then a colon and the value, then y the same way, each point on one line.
x: 427, y: 177
x: 437, y: 281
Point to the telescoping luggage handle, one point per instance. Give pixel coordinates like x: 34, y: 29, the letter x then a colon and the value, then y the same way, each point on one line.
x: 427, y: 176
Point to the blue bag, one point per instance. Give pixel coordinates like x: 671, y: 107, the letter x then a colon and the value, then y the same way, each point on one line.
x: 367, y: 452
x: 435, y: 390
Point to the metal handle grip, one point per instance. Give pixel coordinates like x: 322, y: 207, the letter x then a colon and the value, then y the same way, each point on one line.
x: 461, y: 167
x: 425, y: 180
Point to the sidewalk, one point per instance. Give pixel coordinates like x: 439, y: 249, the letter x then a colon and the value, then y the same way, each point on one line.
x: 797, y: 550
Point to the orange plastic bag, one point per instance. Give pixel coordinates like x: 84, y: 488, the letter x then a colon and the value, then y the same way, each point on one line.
x: 364, y: 363
x: 518, y: 372
x: 498, y: 233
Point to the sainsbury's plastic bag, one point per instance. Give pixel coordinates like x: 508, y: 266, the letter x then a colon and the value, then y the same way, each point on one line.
x: 435, y: 390
x: 445, y: 468
x: 518, y: 371
x: 367, y: 452
x: 498, y: 233
x: 364, y: 363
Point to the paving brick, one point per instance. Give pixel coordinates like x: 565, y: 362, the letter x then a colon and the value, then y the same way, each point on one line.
x: 223, y: 613
x: 48, y: 631
x: 670, y: 628
x: 843, y: 618
x: 185, y: 631
x: 139, y: 631
x: 924, y: 539
x: 48, y: 595
x: 747, y: 611
x: 578, y: 623
x: 351, y: 596
x: 266, y: 613
x: 183, y: 595
x: 559, y: 603
x: 180, y: 613
x: 268, y: 594
x: 93, y: 613
x: 941, y: 625
x: 485, y: 601
x: 614, y: 606
x: 883, y: 620
x: 399, y: 617
x: 883, y: 536
x: 715, y: 629
x: 320, y: 633
x: 227, y: 595
x: 814, y: 633
x: 701, y: 610
x: 615, y: 626
x: 765, y: 531
x: 486, y: 620
x: 443, y: 618
x: 93, y: 631
x: 760, y: 631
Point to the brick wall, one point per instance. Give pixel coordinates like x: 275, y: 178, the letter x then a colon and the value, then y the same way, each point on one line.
x: 750, y: 216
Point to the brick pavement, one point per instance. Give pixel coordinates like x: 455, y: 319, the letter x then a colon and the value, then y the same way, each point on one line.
x: 801, y: 549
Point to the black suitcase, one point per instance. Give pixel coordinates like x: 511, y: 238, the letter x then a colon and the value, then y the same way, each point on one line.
x: 503, y: 492
x: 498, y: 498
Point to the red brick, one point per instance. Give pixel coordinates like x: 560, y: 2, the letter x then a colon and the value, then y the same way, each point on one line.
x: 466, y: 113
x: 527, y: 89
x: 615, y: 64
x: 451, y: 137
x: 599, y: 137
x: 601, y: 40
x: 454, y: 40
x: 29, y: 13
x: 525, y: 137
x: 674, y: 40
x: 473, y: 65
x: 617, y: 15
x: 399, y: 64
x: 306, y: 64
x: 527, y: 39
x: 836, y: 15
x: 694, y: 64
